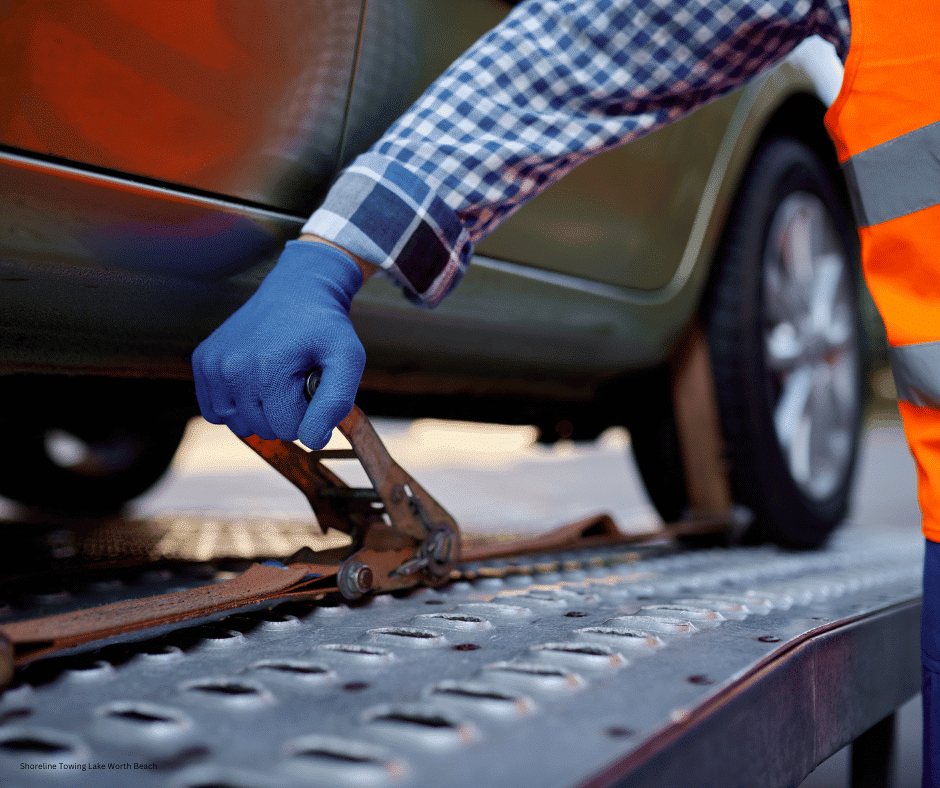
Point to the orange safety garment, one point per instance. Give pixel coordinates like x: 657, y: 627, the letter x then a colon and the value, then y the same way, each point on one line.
x: 886, y: 127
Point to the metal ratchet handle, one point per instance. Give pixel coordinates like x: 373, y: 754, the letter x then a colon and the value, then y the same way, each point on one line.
x: 414, y: 515
x: 403, y: 536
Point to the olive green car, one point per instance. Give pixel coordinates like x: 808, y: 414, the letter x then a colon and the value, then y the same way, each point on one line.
x: 151, y: 174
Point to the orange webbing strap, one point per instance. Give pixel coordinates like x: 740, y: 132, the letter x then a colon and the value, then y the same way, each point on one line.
x: 39, y: 637
x: 600, y: 530
x: 24, y: 641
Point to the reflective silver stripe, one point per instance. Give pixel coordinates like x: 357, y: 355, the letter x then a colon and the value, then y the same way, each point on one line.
x: 917, y: 373
x: 896, y: 178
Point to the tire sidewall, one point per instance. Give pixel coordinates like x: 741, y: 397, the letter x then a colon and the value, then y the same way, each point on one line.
x: 759, y: 470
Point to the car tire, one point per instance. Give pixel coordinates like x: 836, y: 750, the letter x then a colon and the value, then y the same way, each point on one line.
x: 84, y: 447
x: 782, y: 318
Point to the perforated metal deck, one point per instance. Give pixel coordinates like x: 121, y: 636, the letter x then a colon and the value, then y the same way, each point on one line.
x: 726, y: 667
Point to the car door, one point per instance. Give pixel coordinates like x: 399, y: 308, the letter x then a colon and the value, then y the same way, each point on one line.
x: 244, y: 99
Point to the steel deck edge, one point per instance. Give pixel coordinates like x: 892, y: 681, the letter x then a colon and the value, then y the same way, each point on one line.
x: 755, y: 731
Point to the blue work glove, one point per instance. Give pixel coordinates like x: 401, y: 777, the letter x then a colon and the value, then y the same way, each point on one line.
x: 250, y: 371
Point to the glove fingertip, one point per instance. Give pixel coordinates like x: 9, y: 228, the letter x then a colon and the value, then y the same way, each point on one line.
x: 316, y: 428
x: 239, y: 427
x: 314, y: 439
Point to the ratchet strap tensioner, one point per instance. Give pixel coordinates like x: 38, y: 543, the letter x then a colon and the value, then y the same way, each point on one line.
x: 401, y: 538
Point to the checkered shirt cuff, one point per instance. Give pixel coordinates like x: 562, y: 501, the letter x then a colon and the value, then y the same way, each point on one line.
x: 383, y: 213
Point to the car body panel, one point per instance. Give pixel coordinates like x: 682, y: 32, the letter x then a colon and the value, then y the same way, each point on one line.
x: 112, y: 266
x: 243, y: 99
x: 623, y: 217
x: 405, y: 45
x: 103, y: 275
x: 627, y: 216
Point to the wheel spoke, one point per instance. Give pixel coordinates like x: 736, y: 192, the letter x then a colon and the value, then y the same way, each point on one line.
x: 784, y: 347
x: 830, y: 318
x: 798, y: 253
x: 792, y: 406
x: 780, y: 304
x: 824, y: 432
x: 844, y: 382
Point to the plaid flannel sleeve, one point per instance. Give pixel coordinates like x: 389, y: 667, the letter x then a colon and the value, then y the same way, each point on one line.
x: 558, y: 81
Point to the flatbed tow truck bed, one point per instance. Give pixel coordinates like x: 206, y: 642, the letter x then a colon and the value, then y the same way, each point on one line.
x: 639, y: 667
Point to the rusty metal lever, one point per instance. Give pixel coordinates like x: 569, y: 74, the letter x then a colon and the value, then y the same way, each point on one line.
x: 402, y: 537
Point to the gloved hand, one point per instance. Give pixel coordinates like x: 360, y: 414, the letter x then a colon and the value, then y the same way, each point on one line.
x: 250, y: 371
